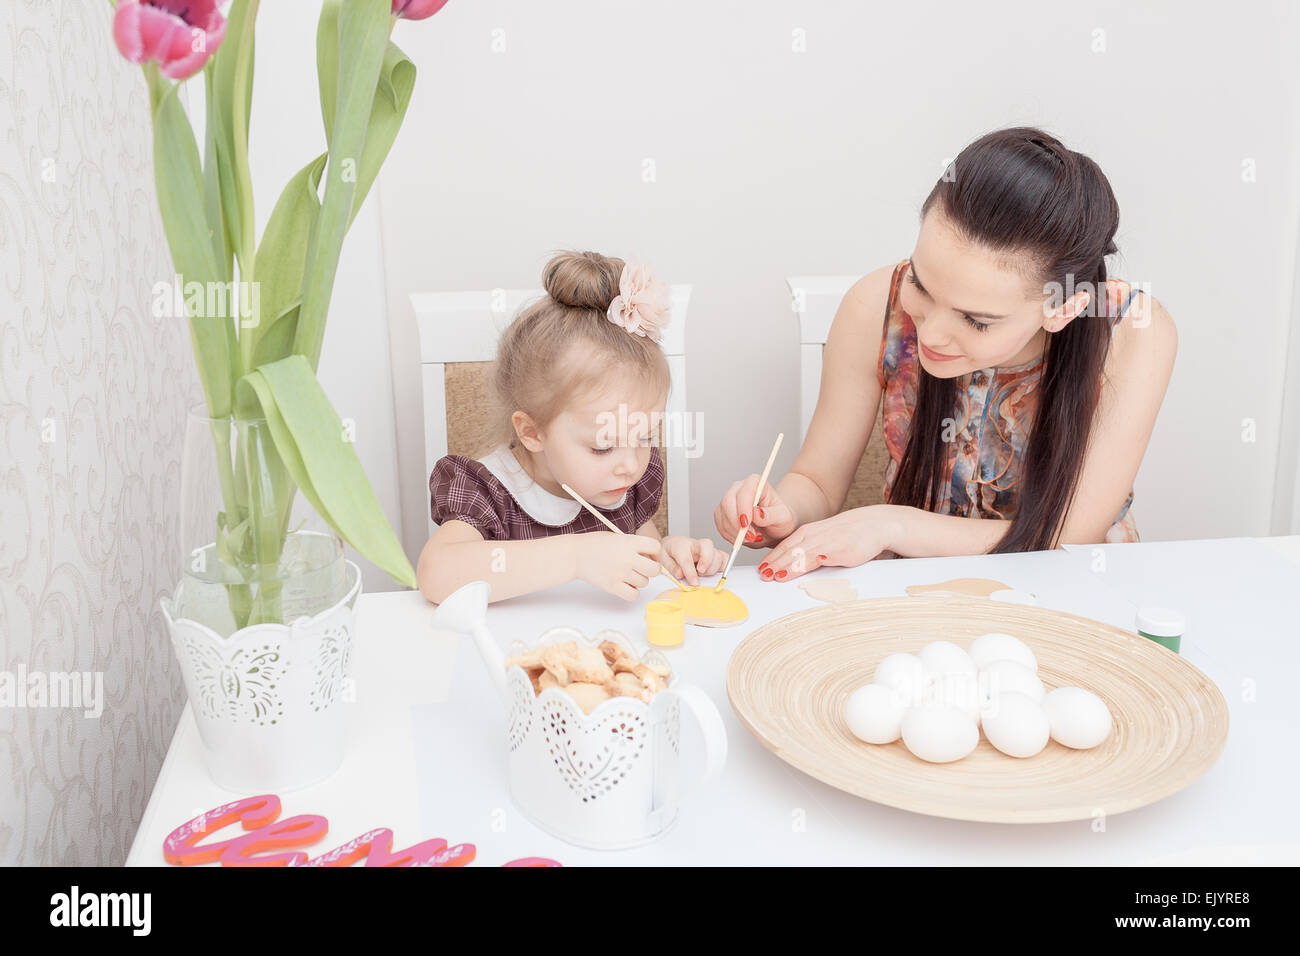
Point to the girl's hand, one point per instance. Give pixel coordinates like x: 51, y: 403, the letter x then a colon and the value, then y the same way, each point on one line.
x: 770, y: 521
x: 621, y: 564
x: 844, y: 540
x: 692, y: 558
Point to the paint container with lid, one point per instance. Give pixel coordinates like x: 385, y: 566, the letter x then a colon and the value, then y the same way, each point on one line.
x: 665, y: 623
x: 1164, y: 625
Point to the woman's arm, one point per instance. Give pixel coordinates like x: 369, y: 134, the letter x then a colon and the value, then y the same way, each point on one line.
x: 457, y: 554
x: 1138, y: 368
x: 848, y: 402
x: 917, y: 533
x: 860, y: 535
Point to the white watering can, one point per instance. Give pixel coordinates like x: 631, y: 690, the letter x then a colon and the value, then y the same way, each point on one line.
x: 605, y: 780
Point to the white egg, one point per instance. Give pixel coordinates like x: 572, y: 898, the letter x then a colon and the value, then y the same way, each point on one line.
x: 987, y: 648
x: 1016, y: 725
x: 874, y: 713
x: 939, y: 734
x: 945, y: 657
x: 904, y: 673
x: 1079, y: 718
x: 959, y: 690
x: 1002, y: 676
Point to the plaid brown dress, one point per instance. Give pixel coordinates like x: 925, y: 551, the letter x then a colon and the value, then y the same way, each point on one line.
x: 497, y: 498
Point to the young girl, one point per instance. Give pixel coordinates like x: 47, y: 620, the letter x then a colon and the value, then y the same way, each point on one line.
x: 1018, y: 399
x: 572, y: 370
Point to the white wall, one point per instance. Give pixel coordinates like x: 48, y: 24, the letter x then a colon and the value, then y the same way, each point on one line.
x: 771, y: 162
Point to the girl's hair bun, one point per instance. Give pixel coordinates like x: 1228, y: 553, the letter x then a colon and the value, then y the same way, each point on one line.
x: 582, y: 280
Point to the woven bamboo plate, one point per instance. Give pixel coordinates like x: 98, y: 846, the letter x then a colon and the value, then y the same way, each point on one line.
x: 789, y: 679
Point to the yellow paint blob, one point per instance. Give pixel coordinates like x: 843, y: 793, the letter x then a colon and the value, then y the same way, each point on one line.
x: 707, y: 607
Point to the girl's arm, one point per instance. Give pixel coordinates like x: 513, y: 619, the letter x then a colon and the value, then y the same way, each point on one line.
x: 457, y: 554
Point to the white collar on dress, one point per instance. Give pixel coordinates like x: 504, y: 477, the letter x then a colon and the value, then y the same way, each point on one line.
x: 537, y: 502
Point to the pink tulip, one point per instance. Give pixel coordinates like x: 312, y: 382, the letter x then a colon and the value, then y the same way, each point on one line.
x: 179, y: 34
x: 417, y: 9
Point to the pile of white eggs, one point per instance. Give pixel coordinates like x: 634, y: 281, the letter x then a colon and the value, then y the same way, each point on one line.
x: 939, y: 699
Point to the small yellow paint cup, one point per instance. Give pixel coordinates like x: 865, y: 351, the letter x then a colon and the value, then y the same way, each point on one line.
x: 665, y: 623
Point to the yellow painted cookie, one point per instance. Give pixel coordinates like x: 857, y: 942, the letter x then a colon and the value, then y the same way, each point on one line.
x: 707, y: 607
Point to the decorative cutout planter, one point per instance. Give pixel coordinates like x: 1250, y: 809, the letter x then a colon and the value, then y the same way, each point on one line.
x: 271, y: 700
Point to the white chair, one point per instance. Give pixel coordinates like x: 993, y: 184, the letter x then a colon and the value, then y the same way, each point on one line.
x: 815, y: 300
x: 457, y: 328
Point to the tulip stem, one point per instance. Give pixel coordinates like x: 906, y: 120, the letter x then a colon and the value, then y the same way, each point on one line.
x: 246, y: 249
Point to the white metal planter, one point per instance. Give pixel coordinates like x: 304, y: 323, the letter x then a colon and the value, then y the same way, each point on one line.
x: 606, y: 780
x: 269, y: 700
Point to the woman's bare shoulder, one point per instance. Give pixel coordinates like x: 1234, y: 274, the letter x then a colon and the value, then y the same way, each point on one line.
x: 864, y: 303
x: 1144, y: 342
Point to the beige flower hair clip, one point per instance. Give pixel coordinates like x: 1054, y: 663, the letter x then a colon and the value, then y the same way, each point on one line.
x: 643, y: 305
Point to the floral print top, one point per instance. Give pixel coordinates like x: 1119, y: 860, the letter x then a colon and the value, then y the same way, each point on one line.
x: 995, y: 408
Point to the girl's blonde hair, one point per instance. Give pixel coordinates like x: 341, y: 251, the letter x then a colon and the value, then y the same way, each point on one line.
x: 563, y: 347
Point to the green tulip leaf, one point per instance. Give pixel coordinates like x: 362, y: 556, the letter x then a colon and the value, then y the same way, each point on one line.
x: 212, y: 182
x: 281, y: 258
x: 362, y: 42
x: 233, y: 90
x: 179, y: 180
x: 311, y: 442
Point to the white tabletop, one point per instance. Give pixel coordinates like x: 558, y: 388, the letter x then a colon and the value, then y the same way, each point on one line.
x: 426, y: 755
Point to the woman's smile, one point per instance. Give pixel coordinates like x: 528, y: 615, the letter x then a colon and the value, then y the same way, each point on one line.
x: 934, y: 356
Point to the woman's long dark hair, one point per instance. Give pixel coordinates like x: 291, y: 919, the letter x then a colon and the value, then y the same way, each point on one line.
x: 1020, y: 192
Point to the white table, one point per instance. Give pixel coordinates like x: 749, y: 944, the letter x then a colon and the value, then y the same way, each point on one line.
x: 426, y: 756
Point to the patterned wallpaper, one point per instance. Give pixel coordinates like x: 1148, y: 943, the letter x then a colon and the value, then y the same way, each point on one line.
x: 93, y: 393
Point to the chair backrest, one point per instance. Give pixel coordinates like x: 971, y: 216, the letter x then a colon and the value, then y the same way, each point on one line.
x: 815, y: 299
x: 458, y: 340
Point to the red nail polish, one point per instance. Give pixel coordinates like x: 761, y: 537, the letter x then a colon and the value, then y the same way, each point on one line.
x: 821, y: 557
x: 762, y: 567
x: 781, y: 574
x: 760, y: 513
x: 767, y: 575
x: 744, y: 520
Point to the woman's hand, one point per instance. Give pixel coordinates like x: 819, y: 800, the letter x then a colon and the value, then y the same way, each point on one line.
x: 771, y: 520
x: 692, y: 558
x: 621, y: 564
x: 845, y: 540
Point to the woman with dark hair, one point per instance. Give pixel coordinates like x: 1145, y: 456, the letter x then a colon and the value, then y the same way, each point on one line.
x: 1019, y: 384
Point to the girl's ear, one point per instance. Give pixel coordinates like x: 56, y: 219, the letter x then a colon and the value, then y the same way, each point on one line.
x: 526, y: 430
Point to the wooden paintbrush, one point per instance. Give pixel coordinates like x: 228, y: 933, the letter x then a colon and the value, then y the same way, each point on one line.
x: 758, y: 493
x: 611, y: 526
